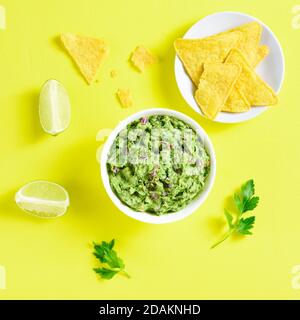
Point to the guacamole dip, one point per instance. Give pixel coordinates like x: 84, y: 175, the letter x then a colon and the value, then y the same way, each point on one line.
x: 157, y: 165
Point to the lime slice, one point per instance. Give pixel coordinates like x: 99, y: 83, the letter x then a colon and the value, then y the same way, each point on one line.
x: 54, y: 107
x: 43, y: 199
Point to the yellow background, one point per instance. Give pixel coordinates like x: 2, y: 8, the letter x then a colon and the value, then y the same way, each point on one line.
x: 53, y: 258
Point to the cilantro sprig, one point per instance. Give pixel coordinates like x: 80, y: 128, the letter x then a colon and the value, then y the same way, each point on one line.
x: 244, y: 201
x: 111, y: 263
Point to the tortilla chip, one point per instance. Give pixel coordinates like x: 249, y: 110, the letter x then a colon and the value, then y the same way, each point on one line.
x: 256, y: 91
x: 88, y: 53
x: 124, y: 96
x: 236, y: 102
x: 261, y: 53
x: 215, y: 86
x: 142, y: 58
x: 195, y: 52
x: 249, y: 40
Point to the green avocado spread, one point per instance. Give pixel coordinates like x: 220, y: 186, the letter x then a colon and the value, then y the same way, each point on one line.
x: 158, y: 164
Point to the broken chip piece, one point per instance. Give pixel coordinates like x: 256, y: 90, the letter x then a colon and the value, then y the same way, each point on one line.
x: 256, y: 91
x: 88, y: 53
x: 195, y: 52
x: 125, y: 98
x: 142, y: 58
x: 215, y: 86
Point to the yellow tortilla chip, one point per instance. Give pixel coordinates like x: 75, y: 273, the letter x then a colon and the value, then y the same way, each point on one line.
x: 195, y: 52
x: 142, y: 58
x: 256, y: 91
x: 124, y: 96
x: 88, y: 53
x: 261, y: 53
x: 215, y: 86
x: 236, y: 102
x: 249, y: 40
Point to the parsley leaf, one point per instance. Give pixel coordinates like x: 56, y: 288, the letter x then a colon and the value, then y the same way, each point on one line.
x: 251, y: 204
x: 244, y: 201
x: 108, y: 257
x: 245, y: 225
x: 248, y: 189
x: 238, y: 202
x: 105, y: 273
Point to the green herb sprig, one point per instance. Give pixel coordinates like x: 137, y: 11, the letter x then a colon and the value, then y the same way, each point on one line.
x: 244, y: 201
x: 111, y: 263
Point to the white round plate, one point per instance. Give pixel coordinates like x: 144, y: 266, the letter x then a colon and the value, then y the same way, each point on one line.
x: 271, y: 69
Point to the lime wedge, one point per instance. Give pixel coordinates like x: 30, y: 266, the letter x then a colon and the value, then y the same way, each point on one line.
x: 54, y: 107
x: 43, y: 199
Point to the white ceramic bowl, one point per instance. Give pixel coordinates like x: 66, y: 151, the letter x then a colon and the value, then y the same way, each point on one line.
x: 271, y: 69
x: 170, y: 217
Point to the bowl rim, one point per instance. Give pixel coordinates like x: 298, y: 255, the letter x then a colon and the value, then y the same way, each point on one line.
x: 178, y: 66
x: 144, y: 216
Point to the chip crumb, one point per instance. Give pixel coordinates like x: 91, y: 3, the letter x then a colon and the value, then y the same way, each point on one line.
x: 125, y: 98
x: 142, y: 58
x: 2, y: 18
x: 113, y: 73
